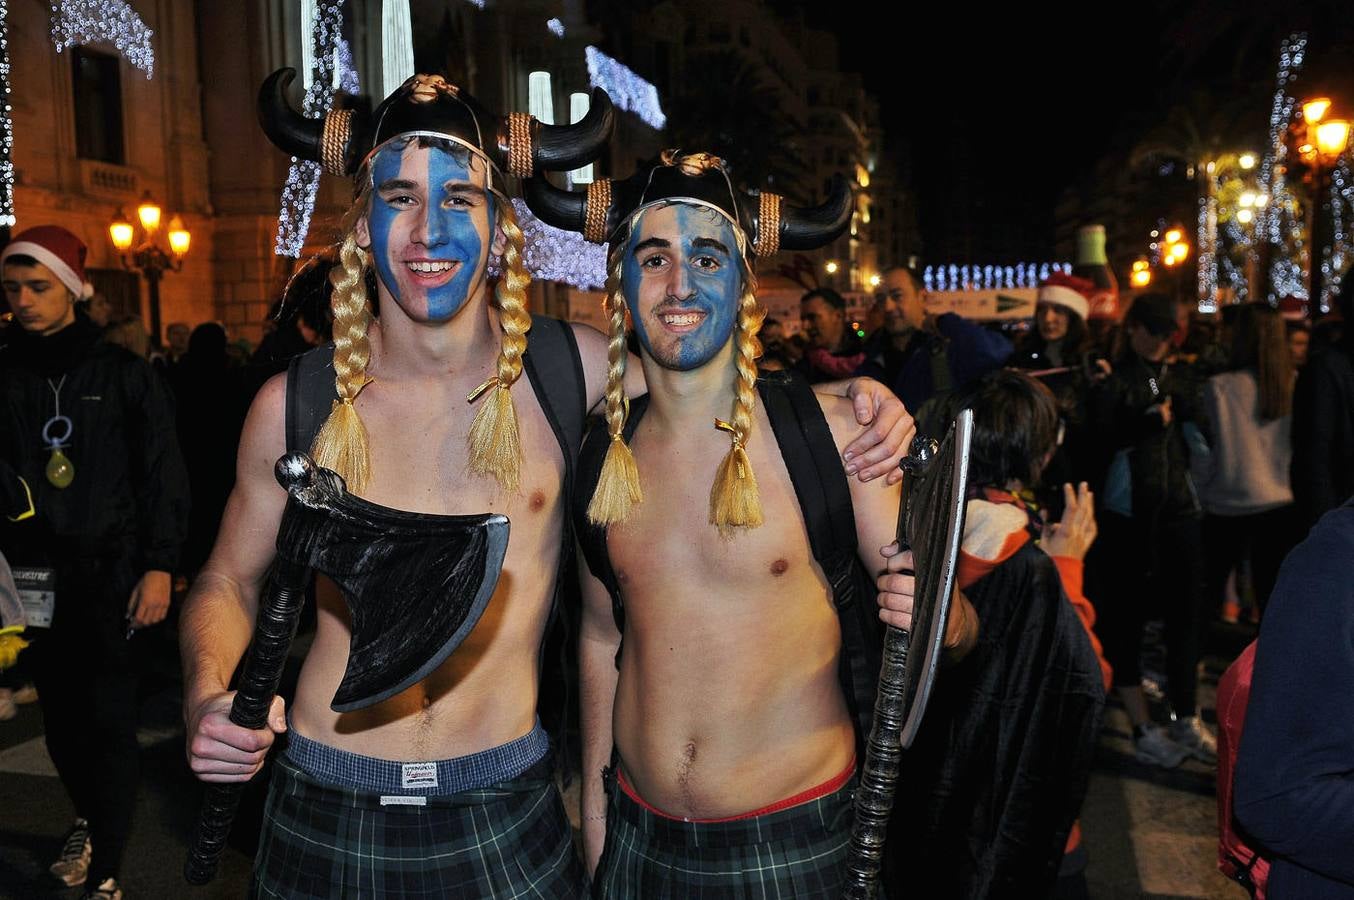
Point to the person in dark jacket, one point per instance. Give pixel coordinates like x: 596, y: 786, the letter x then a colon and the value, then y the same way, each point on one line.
x: 1149, y: 553
x: 87, y: 433
x: 1295, y: 767
x: 920, y: 355
x: 1058, y: 352
x: 1322, y: 470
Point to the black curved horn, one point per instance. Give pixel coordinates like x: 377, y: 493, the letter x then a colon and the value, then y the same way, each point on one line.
x: 562, y: 209
x: 808, y: 229
x: 291, y: 131
x: 563, y: 147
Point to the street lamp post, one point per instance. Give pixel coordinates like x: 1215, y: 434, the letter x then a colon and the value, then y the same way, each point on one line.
x: 1326, y: 140
x: 148, y: 257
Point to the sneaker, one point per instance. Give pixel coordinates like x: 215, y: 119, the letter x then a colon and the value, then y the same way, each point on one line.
x: 25, y: 695
x: 108, y: 889
x: 72, y: 866
x: 8, y: 709
x: 1195, y: 738
x: 1154, y: 748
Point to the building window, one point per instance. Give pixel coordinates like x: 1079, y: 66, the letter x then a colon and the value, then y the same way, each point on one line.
x: 98, y: 106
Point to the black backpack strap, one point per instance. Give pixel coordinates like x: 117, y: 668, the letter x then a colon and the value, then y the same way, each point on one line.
x: 592, y: 538
x: 816, y: 469
x: 824, y: 496
x: 310, y: 396
x: 555, y: 370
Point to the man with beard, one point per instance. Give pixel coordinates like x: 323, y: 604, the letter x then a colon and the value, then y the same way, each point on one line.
x: 920, y: 355
x: 445, y: 788
x: 735, y: 743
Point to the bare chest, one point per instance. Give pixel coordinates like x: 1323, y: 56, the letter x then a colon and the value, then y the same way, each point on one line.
x: 418, y: 435
x: 670, y: 550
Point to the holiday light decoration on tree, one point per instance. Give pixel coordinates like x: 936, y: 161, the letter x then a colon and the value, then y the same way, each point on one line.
x: 104, y: 21
x: 553, y: 254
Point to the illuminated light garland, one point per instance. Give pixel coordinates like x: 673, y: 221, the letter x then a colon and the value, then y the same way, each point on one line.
x: 104, y: 21
x: 7, y: 218
x: 989, y: 278
x: 627, y: 90
x: 1285, y: 273
x: 1208, y: 244
x: 1342, y: 248
x: 345, y: 76
x: 556, y: 27
x: 303, y: 177
x: 553, y: 254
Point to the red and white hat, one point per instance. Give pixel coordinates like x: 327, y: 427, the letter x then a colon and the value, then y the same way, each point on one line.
x: 1069, y: 292
x: 57, y: 249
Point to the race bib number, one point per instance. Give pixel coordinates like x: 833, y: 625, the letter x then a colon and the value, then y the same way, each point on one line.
x: 37, y: 593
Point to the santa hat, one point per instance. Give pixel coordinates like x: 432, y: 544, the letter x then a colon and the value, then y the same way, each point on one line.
x: 1067, y: 291
x: 57, y: 249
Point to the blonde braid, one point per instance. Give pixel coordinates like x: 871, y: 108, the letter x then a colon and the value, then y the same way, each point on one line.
x: 342, y: 443
x: 618, y: 489
x: 734, y: 499
x: 495, y: 444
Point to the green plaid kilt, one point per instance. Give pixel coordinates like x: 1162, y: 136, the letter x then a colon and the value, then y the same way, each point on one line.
x: 797, y: 853
x: 511, y: 839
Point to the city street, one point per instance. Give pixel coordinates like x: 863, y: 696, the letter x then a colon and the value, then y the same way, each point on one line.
x: 1149, y: 833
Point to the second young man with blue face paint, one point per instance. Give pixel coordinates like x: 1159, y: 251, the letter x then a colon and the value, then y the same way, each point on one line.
x: 721, y: 731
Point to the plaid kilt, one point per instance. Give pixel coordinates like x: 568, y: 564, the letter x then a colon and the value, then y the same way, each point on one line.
x: 511, y: 839
x: 797, y: 853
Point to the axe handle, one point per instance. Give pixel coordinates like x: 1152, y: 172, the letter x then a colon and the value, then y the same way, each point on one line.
x: 883, y: 754
x: 879, y: 776
x: 274, y: 630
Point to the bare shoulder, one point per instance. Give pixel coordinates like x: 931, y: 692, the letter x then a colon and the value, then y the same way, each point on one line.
x: 592, y: 343
x: 265, y: 432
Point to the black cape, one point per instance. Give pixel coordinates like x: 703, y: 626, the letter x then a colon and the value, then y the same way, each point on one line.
x: 996, y: 777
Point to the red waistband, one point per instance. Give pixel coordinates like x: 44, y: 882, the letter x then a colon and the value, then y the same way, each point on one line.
x: 822, y: 790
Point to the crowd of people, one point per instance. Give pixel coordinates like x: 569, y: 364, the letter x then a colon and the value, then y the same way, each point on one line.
x: 1159, y: 467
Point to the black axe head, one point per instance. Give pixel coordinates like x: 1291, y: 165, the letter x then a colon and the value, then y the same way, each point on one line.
x: 933, y: 524
x: 416, y: 584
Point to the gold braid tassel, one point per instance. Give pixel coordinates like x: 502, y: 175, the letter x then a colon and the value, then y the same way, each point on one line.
x: 338, y: 127
x: 734, y: 498
x: 595, y: 210
x: 520, y: 155
x: 768, y: 225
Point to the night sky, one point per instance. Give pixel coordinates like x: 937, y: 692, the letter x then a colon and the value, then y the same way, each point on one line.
x: 1000, y: 113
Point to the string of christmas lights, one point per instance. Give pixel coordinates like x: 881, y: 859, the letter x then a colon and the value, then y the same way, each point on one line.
x: 303, y: 177
x: 989, y: 278
x: 104, y: 21
x: 6, y: 125
x: 556, y: 27
x: 553, y: 254
x: 1276, y: 219
x: 627, y: 90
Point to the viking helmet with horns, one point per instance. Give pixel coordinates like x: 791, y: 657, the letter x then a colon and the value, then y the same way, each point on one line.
x: 429, y: 105
x: 763, y: 225
x: 701, y: 178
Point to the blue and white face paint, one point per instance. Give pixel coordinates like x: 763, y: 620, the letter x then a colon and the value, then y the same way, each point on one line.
x: 682, y: 277
x: 430, y: 228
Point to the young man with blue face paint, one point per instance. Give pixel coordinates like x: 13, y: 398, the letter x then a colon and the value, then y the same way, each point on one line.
x: 430, y: 246
x: 429, y: 214
x: 722, y: 731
